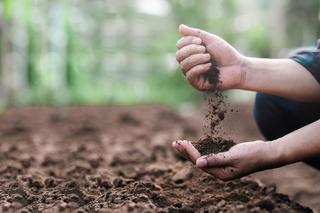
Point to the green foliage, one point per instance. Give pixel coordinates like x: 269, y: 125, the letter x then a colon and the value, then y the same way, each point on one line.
x: 259, y: 41
x: 7, y: 9
x: 171, y: 88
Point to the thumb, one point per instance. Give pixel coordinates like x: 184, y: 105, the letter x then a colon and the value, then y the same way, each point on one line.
x: 189, y: 31
x: 213, y: 160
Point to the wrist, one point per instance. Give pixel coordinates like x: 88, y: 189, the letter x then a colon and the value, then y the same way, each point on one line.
x: 275, y: 155
x: 245, y: 63
x: 280, y: 154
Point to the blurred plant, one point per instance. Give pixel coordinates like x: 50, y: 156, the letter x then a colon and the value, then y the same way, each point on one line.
x: 78, y: 51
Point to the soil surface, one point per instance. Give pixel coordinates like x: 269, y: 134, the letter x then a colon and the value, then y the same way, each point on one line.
x: 114, y: 159
x: 213, y: 145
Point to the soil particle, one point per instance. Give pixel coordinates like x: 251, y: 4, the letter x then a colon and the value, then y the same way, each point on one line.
x: 50, y: 182
x: 266, y: 204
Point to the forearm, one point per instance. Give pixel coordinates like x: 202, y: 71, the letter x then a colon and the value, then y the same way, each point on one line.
x: 281, y: 77
x: 299, y: 145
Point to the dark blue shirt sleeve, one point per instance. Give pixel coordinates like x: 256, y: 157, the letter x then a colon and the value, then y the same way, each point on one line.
x: 310, y: 60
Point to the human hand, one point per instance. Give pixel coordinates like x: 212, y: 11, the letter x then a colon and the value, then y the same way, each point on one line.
x: 242, y: 159
x: 198, y: 49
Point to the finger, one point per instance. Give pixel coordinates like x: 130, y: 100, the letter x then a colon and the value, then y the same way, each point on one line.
x: 178, y: 146
x: 189, y: 149
x: 186, y: 40
x: 189, y: 50
x: 196, y: 71
x: 214, y: 160
x: 189, y: 31
x: 194, y: 60
x: 193, y: 153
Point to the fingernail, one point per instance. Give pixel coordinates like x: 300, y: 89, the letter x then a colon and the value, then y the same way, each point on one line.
x: 201, y: 162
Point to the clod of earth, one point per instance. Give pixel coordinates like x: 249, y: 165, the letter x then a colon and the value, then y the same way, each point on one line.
x: 213, y: 145
x: 212, y: 75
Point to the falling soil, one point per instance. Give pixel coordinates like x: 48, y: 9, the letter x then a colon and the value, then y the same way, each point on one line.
x: 114, y: 159
x: 213, y: 145
x: 215, y: 114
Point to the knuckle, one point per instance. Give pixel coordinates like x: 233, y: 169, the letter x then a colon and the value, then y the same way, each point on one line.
x: 205, y: 66
x: 186, y: 63
x: 202, y: 49
x: 207, y: 57
x: 189, y: 50
x: 183, y: 65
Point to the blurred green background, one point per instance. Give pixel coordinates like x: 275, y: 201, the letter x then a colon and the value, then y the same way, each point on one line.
x: 123, y: 51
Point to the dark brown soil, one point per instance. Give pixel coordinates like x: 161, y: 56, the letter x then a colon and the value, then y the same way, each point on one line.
x: 213, y: 141
x: 113, y: 159
x: 213, y: 145
x: 212, y: 75
x: 215, y: 113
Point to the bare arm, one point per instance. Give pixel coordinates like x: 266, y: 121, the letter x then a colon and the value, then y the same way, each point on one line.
x: 299, y: 145
x: 281, y: 77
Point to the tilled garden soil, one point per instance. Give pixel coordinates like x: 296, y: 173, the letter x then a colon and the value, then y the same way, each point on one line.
x: 113, y: 159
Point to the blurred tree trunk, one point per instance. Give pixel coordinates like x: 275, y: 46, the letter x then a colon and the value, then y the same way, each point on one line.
x: 6, y: 62
x: 278, y: 33
x: 2, y: 95
x: 303, y: 22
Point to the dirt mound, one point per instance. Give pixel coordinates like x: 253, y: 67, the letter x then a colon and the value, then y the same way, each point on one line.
x: 113, y: 159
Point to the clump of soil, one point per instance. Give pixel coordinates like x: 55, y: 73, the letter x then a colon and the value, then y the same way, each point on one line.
x: 212, y: 75
x: 213, y: 145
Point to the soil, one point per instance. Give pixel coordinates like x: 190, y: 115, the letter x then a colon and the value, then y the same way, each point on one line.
x: 212, y: 75
x: 213, y: 145
x: 114, y: 159
x: 216, y: 109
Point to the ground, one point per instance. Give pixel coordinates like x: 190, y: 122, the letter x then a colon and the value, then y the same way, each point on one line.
x: 116, y: 159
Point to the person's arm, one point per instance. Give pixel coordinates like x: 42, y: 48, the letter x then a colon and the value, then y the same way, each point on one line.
x: 299, y: 145
x: 281, y: 77
x: 250, y: 157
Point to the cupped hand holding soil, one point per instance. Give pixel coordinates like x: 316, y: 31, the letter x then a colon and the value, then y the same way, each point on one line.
x: 239, y: 160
